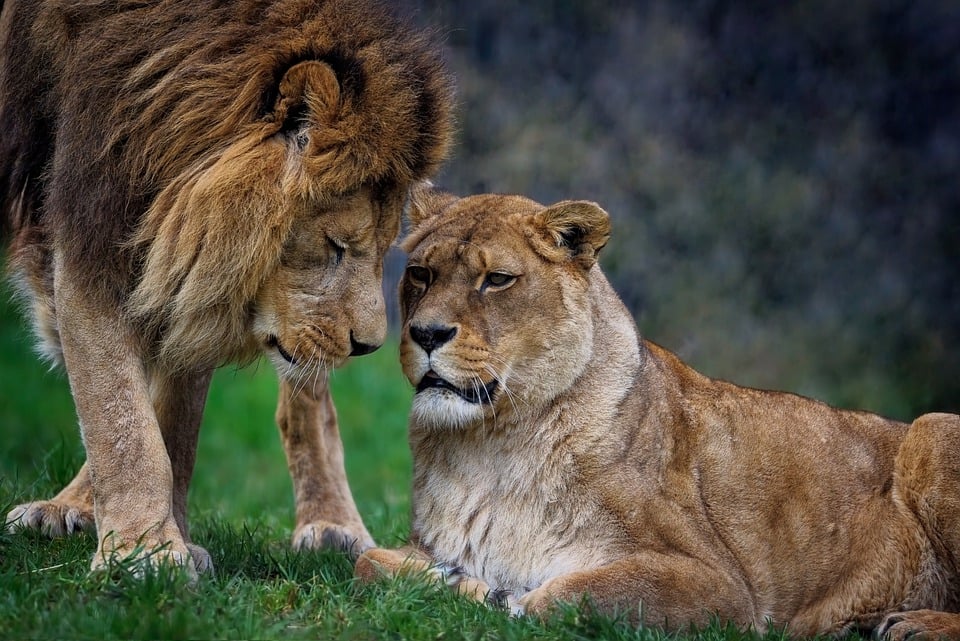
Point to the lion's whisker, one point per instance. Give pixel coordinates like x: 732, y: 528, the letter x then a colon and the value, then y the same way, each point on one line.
x: 318, y: 366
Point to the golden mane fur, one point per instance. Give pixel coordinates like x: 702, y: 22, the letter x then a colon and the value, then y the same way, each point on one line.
x: 559, y: 455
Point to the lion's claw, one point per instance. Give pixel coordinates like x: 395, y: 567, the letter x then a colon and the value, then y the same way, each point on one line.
x: 51, y: 518
x: 202, y: 561
x: 322, y: 535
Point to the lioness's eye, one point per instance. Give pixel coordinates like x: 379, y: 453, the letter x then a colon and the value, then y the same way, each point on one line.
x: 338, y: 249
x: 418, y: 275
x: 499, y: 279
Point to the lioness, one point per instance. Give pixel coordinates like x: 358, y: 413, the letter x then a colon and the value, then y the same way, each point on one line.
x: 556, y: 454
x: 194, y: 182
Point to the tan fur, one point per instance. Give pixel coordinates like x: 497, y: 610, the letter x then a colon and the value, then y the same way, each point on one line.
x: 599, y: 464
x: 192, y: 183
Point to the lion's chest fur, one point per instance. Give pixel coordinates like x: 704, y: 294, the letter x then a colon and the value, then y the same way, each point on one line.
x: 505, y: 514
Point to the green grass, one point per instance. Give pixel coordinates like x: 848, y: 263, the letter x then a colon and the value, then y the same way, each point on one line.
x: 242, y: 512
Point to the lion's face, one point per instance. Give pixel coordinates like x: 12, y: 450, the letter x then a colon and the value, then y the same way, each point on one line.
x: 496, y: 305
x: 324, y: 302
x: 273, y: 241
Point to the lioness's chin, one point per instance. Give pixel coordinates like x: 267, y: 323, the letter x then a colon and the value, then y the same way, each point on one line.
x: 445, y: 409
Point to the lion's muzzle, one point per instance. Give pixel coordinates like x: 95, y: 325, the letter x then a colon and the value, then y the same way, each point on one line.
x: 274, y: 343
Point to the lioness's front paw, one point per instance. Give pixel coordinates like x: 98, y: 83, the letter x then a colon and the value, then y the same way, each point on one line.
x: 468, y: 586
x: 52, y: 518
x: 323, y: 535
x: 513, y: 603
x: 537, y: 602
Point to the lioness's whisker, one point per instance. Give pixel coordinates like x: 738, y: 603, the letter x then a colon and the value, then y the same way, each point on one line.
x: 502, y: 382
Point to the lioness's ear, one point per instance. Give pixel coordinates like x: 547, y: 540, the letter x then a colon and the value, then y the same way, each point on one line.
x: 579, y: 226
x: 425, y: 201
x: 309, y: 93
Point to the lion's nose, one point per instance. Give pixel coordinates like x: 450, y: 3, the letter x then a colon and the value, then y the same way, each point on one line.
x: 431, y: 337
x: 361, y: 349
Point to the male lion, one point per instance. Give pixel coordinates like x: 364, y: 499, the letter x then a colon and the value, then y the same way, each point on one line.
x: 556, y: 454
x: 188, y: 183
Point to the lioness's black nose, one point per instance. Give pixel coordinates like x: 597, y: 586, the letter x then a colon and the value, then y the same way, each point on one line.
x: 360, y: 349
x: 432, y: 337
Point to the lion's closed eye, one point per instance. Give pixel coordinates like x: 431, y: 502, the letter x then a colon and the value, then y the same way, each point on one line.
x: 339, y: 248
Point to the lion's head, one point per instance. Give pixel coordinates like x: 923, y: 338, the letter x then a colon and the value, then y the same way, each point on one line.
x: 496, y: 303
x: 269, y: 230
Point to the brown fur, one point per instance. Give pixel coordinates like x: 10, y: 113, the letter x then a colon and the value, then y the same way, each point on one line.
x: 189, y: 183
x: 599, y: 464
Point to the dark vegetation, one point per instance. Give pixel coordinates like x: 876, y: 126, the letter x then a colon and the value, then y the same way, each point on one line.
x: 784, y: 177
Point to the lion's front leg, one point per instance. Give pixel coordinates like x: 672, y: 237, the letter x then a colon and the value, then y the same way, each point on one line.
x: 327, y: 516
x: 178, y: 401
x: 667, y: 590
x: 129, y: 468
x: 69, y: 512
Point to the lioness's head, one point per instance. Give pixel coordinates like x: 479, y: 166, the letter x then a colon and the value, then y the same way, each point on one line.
x: 496, y: 310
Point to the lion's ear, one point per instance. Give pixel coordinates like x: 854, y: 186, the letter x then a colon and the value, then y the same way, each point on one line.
x: 308, y: 94
x: 426, y: 201
x: 578, y: 226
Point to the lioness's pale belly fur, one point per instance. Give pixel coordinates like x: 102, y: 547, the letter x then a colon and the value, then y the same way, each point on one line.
x: 493, y: 511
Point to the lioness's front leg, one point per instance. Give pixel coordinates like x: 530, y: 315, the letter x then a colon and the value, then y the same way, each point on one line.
x: 651, y: 589
x: 379, y: 563
x: 128, y: 464
x: 327, y: 516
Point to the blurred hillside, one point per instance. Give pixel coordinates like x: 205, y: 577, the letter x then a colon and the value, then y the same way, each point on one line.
x: 784, y: 177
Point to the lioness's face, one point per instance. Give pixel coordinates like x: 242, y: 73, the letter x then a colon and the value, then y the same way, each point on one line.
x: 324, y: 302
x: 496, y: 312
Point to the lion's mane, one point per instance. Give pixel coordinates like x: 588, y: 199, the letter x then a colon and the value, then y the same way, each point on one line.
x: 162, y: 157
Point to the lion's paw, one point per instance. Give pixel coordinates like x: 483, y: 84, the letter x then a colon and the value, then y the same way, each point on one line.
x: 52, y: 518
x: 323, y: 535
x: 140, y: 560
x: 202, y: 561
x: 918, y: 625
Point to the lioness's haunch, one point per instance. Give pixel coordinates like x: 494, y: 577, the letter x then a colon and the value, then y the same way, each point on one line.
x: 195, y: 182
x: 558, y: 454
